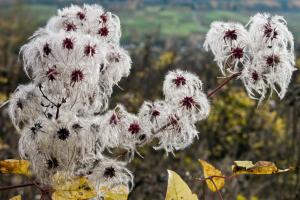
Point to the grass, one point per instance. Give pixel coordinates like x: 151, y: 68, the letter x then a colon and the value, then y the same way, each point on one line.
x: 182, y: 21
x: 170, y: 21
x: 178, y: 22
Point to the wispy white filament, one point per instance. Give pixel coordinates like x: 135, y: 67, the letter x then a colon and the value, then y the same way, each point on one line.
x: 73, y: 64
x: 265, y: 57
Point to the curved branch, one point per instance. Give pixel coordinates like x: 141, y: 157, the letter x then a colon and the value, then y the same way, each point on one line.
x: 219, y: 87
x: 16, y: 186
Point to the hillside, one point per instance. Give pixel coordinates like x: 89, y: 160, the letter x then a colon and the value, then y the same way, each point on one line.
x: 199, y: 4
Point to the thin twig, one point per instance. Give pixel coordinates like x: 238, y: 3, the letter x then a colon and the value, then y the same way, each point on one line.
x: 218, y: 191
x: 63, y: 100
x: 42, y: 190
x: 215, y: 176
x: 162, y: 128
x: 48, y: 194
x: 57, y: 105
x: 16, y: 186
x: 43, y: 94
x: 210, y: 94
x: 203, y: 190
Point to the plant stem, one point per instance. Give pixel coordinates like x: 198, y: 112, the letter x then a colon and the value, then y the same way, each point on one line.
x: 43, y: 94
x: 44, y: 192
x: 224, y: 177
x: 57, y: 105
x: 162, y: 128
x: 210, y: 94
x: 211, y: 179
x: 16, y: 186
x: 218, y: 191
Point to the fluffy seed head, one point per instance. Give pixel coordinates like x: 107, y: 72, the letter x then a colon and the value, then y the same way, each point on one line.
x: 103, y: 31
x: 134, y: 128
x: 68, y: 43
x: 63, y: 133
x: 52, y: 73
x: 230, y: 34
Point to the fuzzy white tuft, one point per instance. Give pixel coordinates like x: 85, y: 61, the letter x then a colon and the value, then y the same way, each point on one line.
x: 73, y: 64
x: 263, y: 54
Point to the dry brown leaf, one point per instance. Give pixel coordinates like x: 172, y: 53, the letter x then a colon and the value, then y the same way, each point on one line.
x: 12, y: 166
x: 209, y: 171
x: 260, y: 167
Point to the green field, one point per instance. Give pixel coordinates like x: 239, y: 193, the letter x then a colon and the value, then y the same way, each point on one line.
x: 182, y: 21
x: 179, y: 21
x: 169, y: 21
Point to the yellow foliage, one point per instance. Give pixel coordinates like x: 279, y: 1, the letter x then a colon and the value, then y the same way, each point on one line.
x: 165, y: 59
x: 12, y: 166
x: 234, y: 107
x: 240, y: 197
x: 178, y: 189
x: 237, y: 119
x: 76, y: 188
x: 260, y: 167
x: 254, y: 198
x: 18, y: 197
x: 3, y: 80
x: 3, y: 97
x: 215, y: 183
x: 116, y: 193
x: 298, y: 63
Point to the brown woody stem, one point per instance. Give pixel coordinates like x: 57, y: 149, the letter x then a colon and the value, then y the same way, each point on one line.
x: 210, y: 94
x: 211, y: 179
x: 218, y: 191
x: 16, y: 186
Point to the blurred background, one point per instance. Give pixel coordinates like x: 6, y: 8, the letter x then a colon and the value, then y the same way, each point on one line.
x: 162, y: 35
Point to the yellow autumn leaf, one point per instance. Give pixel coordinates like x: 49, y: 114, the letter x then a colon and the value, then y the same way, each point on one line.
x: 209, y: 170
x: 178, y: 189
x: 260, y: 167
x: 75, y: 188
x: 18, y: 197
x: 12, y: 166
x: 116, y: 193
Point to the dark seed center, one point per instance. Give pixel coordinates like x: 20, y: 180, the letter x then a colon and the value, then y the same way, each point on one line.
x: 230, y: 34
x: 188, y: 102
x: 134, y: 128
x: 109, y: 172
x: 63, y: 133
x: 179, y: 80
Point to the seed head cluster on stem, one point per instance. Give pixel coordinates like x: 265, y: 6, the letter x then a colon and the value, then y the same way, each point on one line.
x: 74, y: 62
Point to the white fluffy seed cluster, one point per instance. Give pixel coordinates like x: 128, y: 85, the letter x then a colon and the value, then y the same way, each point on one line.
x: 172, y: 120
x: 73, y: 64
x: 263, y: 53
